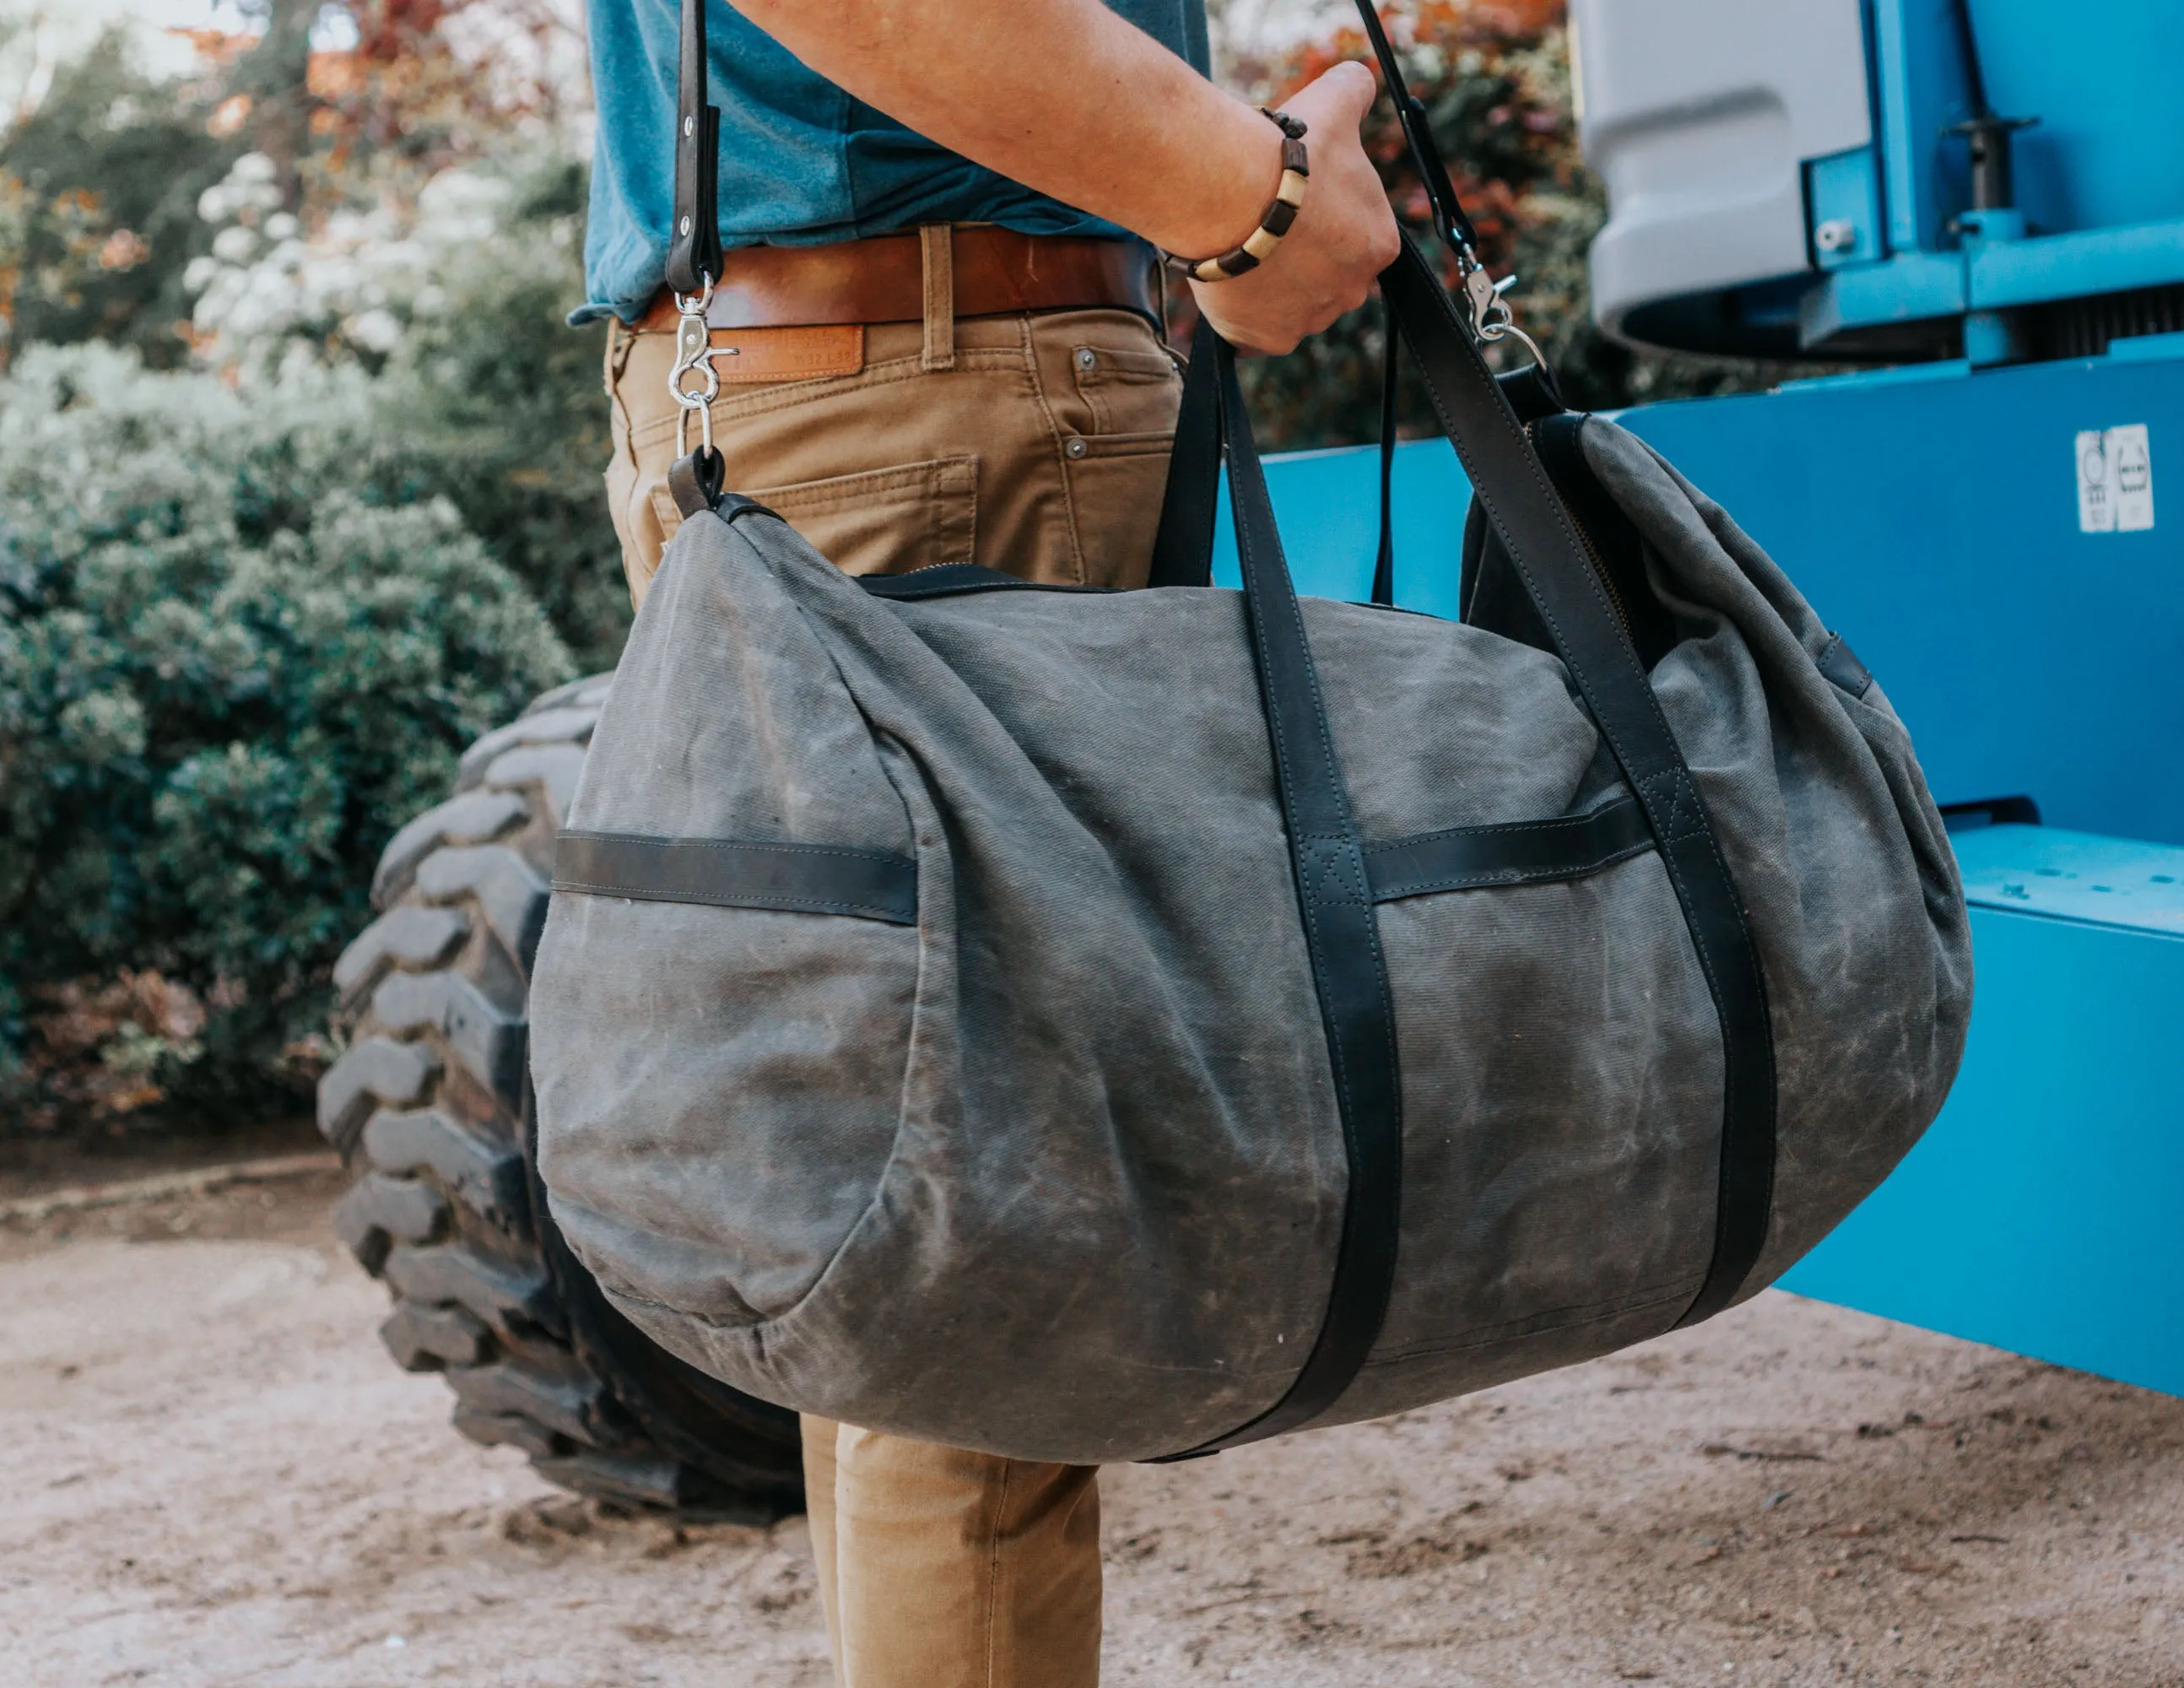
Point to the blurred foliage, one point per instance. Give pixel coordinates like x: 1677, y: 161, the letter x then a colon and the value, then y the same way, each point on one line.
x: 1494, y: 78
x: 98, y: 196
x: 238, y: 647
x: 502, y: 411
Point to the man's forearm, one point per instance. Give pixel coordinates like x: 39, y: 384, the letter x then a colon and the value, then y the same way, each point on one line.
x: 1061, y: 95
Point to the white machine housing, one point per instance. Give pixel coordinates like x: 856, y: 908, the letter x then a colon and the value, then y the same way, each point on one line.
x: 1699, y: 116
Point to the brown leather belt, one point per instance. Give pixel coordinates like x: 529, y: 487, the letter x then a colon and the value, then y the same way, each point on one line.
x: 997, y: 272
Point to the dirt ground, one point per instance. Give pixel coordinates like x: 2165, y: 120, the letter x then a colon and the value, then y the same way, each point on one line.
x: 213, y: 1475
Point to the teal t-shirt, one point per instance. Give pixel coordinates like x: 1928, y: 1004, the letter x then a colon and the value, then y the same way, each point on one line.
x: 802, y: 162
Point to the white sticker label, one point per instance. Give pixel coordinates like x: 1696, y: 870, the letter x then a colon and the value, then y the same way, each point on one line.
x: 2115, y: 481
x: 2130, y: 463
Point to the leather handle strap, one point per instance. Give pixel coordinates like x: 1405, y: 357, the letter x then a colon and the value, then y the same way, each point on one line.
x: 1182, y: 548
x: 1391, y: 363
x: 1528, y: 516
x: 1342, y: 939
x: 693, y: 251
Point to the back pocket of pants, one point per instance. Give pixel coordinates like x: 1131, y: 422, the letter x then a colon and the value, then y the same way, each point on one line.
x: 914, y: 516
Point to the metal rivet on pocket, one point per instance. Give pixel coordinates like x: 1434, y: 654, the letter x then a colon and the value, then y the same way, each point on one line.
x: 1085, y: 358
x: 1074, y: 447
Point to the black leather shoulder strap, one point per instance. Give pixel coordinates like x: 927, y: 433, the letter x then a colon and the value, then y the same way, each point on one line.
x: 1519, y: 502
x: 694, y: 252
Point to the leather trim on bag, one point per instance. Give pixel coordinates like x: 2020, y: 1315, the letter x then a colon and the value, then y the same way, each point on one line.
x: 869, y: 884
x: 1514, y: 853
x: 1840, y: 667
x: 956, y: 580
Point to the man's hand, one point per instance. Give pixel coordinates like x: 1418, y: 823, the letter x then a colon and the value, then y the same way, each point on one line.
x: 1344, y: 235
x: 1072, y: 100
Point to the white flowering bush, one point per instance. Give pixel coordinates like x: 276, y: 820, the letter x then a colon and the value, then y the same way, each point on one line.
x: 358, y: 281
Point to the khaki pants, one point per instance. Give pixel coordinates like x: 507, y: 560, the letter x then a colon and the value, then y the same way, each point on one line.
x: 1042, y: 452
x: 1038, y: 445
x: 941, y: 1569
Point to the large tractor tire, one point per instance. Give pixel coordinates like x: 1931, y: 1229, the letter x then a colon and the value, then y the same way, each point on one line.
x: 430, y: 1108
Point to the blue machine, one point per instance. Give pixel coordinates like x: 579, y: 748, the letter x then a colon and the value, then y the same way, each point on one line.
x: 1885, y: 179
x: 1989, y: 526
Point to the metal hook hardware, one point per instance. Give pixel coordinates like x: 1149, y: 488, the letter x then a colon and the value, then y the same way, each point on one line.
x: 1491, y: 318
x: 693, y: 350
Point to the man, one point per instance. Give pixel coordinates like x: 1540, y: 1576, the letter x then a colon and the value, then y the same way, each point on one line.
x: 939, y: 343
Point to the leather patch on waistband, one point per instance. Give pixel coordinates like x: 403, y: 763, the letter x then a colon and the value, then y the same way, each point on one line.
x: 750, y: 356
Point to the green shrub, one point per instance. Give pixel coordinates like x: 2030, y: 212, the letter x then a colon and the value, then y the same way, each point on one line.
x: 234, y: 656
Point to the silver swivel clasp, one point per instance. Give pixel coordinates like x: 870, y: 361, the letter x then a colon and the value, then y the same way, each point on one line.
x: 693, y: 352
x: 1491, y: 318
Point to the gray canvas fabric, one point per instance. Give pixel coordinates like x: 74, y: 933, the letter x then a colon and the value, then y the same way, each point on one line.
x: 1057, y: 1172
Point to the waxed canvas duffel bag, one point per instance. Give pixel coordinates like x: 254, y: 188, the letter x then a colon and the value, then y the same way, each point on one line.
x: 1097, y: 1026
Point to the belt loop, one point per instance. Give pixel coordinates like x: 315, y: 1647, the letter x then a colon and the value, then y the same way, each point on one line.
x: 937, y: 246
x: 620, y: 342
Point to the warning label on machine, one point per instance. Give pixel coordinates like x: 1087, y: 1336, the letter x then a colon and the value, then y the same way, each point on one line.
x: 2115, y: 479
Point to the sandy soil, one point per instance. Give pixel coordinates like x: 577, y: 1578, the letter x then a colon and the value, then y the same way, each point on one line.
x: 213, y: 1475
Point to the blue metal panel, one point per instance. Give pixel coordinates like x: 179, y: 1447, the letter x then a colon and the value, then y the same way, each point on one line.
x: 1844, y: 188
x: 2108, y: 150
x: 2040, y: 1212
x: 1913, y: 287
x: 1991, y: 274
x: 1328, y: 505
x: 2099, y: 178
x: 1918, y: 86
x: 2015, y: 272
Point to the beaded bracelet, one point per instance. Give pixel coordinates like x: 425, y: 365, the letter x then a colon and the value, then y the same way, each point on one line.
x: 1255, y: 251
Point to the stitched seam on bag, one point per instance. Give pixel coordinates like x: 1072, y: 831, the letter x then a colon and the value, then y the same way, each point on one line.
x: 762, y: 1333
x: 1337, y: 864
x: 759, y: 1333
